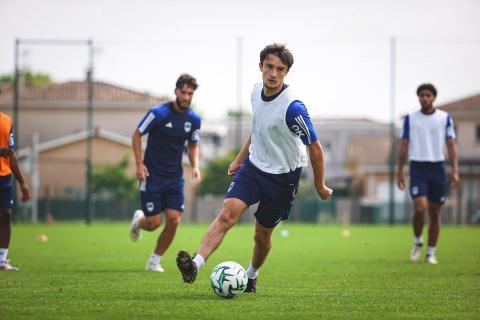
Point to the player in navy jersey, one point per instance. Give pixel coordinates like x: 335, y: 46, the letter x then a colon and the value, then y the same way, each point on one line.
x: 160, y: 171
x: 424, y: 135
x: 267, y: 169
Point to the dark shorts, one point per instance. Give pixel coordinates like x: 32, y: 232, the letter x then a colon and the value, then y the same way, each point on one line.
x: 158, y: 194
x: 275, y: 192
x: 6, y: 191
x: 428, y: 179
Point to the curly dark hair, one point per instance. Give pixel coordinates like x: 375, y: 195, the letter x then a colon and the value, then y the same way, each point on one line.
x: 280, y: 51
x: 188, y: 80
x: 427, y: 86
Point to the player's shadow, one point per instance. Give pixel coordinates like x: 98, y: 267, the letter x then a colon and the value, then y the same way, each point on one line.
x: 106, y: 271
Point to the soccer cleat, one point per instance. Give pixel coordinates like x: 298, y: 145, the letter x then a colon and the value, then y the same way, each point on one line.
x: 154, y: 267
x: 431, y: 259
x: 416, y: 253
x: 251, y: 285
x: 134, y: 228
x: 187, y: 267
x: 5, y: 266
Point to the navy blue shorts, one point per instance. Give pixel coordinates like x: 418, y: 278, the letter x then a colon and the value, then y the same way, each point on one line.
x: 158, y: 194
x: 428, y: 179
x: 6, y: 191
x: 275, y: 192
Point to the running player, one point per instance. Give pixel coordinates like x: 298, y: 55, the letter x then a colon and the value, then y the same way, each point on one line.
x: 267, y: 169
x: 160, y: 172
x: 423, y: 138
x: 8, y: 166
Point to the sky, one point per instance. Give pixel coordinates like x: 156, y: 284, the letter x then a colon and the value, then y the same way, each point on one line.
x: 341, y: 48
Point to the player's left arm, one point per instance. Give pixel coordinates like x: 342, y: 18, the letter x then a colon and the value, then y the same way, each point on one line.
x: 193, y: 156
x: 452, y: 152
x: 16, y: 169
x: 19, y: 177
x: 299, y: 123
x: 317, y: 158
x: 194, y: 152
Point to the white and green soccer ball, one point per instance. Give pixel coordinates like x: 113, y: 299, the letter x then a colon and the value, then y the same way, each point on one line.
x: 228, y: 279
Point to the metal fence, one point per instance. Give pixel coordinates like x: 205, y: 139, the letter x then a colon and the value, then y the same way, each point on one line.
x: 306, y: 209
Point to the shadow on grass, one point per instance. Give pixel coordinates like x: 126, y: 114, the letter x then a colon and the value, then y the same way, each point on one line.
x: 110, y: 271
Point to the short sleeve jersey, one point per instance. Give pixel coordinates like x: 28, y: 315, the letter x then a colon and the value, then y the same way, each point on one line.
x: 168, y: 130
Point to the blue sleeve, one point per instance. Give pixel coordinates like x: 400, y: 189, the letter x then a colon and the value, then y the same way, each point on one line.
x: 450, y: 132
x: 151, y: 119
x: 195, y: 136
x: 11, y: 140
x: 406, y: 128
x: 298, y: 121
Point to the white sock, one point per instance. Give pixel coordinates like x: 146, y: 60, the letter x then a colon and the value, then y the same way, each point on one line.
x: 199, y: 261
x: 137, y: 223
x: 252, y: 273
x: 419, y: 240
x: 155, y: 258
x: 430, y: 251
x: 3, y: 255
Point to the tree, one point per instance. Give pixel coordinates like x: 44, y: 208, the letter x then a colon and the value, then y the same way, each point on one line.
x: 112, y: 181
x: 32, y: 79
x: 215, y: 178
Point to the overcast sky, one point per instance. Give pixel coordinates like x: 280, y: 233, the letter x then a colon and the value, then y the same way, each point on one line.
x: 341, y: 48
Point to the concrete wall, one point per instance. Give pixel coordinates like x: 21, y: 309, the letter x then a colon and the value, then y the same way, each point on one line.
x: 468, y: 145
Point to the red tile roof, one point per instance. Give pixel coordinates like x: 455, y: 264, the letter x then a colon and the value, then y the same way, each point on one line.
x: 77, y: 91
x: 468, y: 104
x: 369, y: 151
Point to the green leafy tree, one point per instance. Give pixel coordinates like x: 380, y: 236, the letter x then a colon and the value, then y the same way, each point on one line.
x: 113, y: 181
x: 6, y: 79
x: 215, y: 179
x: 32, y: 79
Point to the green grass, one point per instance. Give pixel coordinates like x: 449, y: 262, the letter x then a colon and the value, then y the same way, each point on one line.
x: 97, y: 273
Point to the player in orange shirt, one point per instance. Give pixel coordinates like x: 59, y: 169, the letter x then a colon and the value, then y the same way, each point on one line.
x: 8, y: 167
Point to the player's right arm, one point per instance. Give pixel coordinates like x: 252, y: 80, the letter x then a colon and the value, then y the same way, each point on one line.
x: 403, y: 152
x: 240, y: 159
x: 142, y: 171
x: 149, y: 121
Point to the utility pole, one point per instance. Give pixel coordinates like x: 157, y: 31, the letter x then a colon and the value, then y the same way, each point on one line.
x: 393, y: 138
x: 16, y: 97
x: 35, y: 177
x: 90, y: 134
x: 239, y: 116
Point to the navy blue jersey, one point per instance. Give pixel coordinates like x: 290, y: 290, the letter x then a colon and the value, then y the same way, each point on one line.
x: 167, y: 132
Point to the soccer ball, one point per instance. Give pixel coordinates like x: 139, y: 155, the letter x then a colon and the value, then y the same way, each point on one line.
x: 228, y: 279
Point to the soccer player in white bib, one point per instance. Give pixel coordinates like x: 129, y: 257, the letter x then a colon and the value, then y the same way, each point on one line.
x: 267, y: 168
x: 423, y: 138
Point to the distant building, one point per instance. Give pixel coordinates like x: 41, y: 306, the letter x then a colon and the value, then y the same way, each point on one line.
x: 58, y: 113
x: 60, y: 109
x: 368, y: 154
x: 466, y: 115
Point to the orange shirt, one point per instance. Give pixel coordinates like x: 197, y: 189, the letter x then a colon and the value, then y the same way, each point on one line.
x: 6, y: 141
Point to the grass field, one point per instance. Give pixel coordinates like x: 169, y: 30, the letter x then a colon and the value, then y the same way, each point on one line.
x: 97, y: 273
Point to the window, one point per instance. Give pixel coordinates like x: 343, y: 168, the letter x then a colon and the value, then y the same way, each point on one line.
x: 477, y: 133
